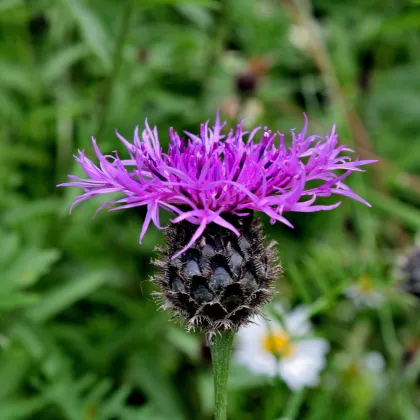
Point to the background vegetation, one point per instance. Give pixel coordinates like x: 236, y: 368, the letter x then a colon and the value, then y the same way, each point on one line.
x: 80, y: 336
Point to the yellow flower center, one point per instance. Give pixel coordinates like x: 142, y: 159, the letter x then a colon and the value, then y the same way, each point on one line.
x: 365, y: 283
x: 279, y: 344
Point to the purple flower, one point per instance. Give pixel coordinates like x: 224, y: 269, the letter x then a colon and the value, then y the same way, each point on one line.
x: 203, y: 177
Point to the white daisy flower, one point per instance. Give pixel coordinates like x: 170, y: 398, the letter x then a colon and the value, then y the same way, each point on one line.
x: 269, y: 348
x: 364, y: 294
x: 374, y: 362
x: 370, y: 366
x: 300, y: 37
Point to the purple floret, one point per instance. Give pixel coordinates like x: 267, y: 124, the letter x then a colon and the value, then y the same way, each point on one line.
x: 203, y: 177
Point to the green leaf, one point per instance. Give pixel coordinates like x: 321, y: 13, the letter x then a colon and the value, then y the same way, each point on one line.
x: 65, y: 295
x: 241, y: 379
x: 318, y: 276
x: 21, y: 408
x: 29, y: 266
x: 156, y: 385
x: 58, y: 64
x: 10, y: 300
x: 294, y: 274
x: 402, y: 23
x: 208, y: 3
x: 31, y: 338
x: 24, y: 154
x: 10, y: 4
x: 98, y: 392
x: 92, y: 29
x: 145, y: 412
x: 16, y: 76
x: 184, y: 341
x: 408, y: 215
x: 21, y: 268
x: 33, y: 210
x: 9, y: 243
x: 114, y: 405
x: 13, y: 366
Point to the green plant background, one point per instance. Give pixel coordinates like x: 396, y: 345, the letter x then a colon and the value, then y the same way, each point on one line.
x: 80, y: 337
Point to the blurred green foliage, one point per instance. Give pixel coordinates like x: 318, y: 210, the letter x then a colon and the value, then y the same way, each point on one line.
x: 81, y: 338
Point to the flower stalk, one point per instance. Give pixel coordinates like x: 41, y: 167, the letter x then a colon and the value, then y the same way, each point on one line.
x: 106, y: 98
x: 221, y: 348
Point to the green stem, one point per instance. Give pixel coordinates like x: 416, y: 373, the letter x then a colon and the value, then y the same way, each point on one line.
x: 126, y: 16
x: 272, y: 401
x: 221, y: 348
x: 220, y: 32
x: 294, y: 404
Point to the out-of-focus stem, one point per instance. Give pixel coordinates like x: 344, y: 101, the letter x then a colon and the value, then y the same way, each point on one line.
x: 221, y: 30
x: 294, y: 405
x: 300, y: 13
x: 126, y: 15
x: 319, y: 53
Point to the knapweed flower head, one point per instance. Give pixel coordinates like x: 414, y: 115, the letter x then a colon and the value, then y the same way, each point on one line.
x: 216, y: 270
x: 203, y: 177
x: 290, y: 350
x: 409, y: 270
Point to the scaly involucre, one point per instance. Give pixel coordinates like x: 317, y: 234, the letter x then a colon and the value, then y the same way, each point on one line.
x: 201, y: 178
